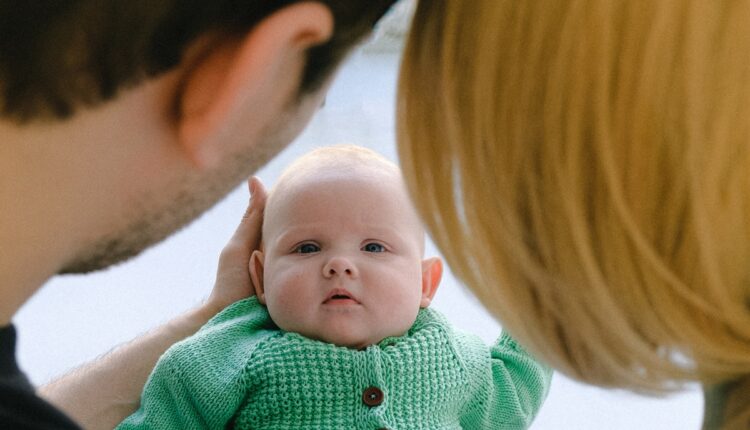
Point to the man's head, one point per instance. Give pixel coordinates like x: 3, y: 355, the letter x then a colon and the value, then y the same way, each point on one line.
x: 122, y: 121
x: 343, y: 247
x: 57, y: 57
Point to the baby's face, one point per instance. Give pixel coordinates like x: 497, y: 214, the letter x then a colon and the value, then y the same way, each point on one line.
x: 343, y: 260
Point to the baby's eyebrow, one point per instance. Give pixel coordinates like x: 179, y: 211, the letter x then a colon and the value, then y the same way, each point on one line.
x: 285, y: 237
x: 298, y: 233
x: 295, y: 234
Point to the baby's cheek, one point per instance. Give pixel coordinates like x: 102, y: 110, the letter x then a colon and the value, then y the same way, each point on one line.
x: 403, y: 308
x: 300, y: 279
x: 288, y: 297
x: 284, y: 314
x: 296, y: 292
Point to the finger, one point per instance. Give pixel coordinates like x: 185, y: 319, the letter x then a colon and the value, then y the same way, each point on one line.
x: 248, y: 231
x: 258, y: 194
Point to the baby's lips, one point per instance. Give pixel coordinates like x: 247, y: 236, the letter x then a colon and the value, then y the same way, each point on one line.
x: 339, y: 294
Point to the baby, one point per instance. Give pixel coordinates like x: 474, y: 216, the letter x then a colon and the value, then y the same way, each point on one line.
x: 339, y: 334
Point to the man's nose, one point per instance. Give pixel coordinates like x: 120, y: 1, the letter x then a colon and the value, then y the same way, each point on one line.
x: 340, y: 266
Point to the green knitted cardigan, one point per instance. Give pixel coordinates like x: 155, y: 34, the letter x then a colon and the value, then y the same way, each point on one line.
x: 240, y: 371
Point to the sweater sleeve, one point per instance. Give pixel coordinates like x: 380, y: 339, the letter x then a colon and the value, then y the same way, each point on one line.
x: 200, y: 382
x: 512, y: 393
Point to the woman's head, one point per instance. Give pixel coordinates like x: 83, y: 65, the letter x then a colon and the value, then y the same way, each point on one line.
x: 583, y: 165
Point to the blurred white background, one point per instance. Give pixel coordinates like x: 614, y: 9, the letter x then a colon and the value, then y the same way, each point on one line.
x: 77, y: 318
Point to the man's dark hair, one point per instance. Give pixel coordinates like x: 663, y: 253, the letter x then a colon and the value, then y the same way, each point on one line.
x: 58, y: 55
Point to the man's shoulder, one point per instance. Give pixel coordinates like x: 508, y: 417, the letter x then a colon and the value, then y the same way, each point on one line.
x: 21, y: 408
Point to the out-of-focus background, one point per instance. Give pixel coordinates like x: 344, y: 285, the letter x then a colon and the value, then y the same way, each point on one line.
x: 77, y: 318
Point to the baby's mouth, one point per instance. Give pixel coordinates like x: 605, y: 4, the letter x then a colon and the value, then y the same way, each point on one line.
x: 340, y: 296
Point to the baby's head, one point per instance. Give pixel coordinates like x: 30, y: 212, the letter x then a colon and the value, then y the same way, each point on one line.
x: 342, y: 254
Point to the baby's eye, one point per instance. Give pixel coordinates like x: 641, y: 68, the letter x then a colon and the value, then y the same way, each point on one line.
x: 373, y: 247
x: 307, y: 248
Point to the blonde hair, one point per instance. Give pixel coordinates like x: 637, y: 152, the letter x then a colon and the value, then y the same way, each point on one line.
x: 584, y: 166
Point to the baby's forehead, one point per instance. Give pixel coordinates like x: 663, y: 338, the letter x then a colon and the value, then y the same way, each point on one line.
x: 376, y: 177
x: 378, y: 187
x: 357, y: 176
x: 342, y: 166
x: 345, y: 163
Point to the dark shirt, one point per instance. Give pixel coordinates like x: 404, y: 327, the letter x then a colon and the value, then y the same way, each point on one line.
x: 20, y: 407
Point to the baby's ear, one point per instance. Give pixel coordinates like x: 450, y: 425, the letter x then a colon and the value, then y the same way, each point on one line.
x: 432, y: 272
x: 256, y: 275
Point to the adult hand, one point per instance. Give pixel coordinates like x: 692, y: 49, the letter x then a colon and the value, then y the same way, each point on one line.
x: 102, y: 393
x: 233, y: 277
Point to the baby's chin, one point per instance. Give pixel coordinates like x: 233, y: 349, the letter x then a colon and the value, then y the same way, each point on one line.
x: 347, y: 340
x: 350, y: 333
x: 350, y: 340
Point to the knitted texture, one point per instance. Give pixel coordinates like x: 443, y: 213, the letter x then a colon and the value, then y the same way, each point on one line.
x: 240, y: 371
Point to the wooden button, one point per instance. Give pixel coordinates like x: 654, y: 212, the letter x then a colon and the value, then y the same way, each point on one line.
x: 372, y: 396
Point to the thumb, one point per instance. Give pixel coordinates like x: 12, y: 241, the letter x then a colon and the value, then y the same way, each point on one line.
x: 248, y: 232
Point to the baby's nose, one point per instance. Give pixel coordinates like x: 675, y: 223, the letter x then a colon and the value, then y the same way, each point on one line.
x: 340, y: 266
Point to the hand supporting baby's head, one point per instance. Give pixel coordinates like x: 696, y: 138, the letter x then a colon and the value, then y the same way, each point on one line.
x: 343, y: 248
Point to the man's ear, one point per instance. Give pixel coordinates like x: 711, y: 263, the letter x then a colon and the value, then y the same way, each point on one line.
x: 235, y: 81
x: 432, y: 272
x: 256, y: 275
